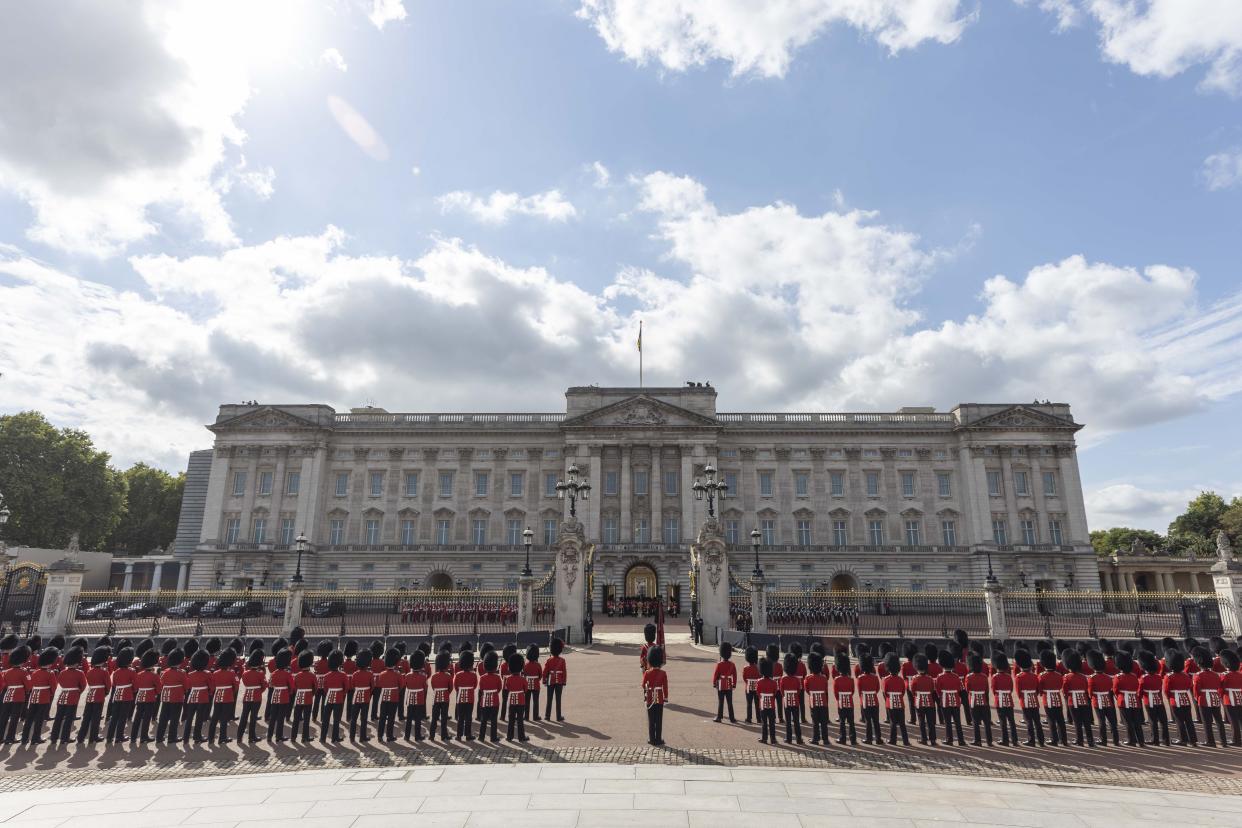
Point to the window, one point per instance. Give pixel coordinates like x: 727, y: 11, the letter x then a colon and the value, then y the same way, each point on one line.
x: 728, y: 452
x: 407, y: 533
x: 914, y: 533
x: 446, y: 484
x: 875, y: 529
x: 940, y: 454
x: 444, y: 530
x: 480, y: 483
x: 286, y: 532
x: 948, y: 532
x: 907, y: 484
x: 640, y: 482
x: 239, y: 483
x: 730, y: 479
x: 802, y: 484
x: 293, y: 482
x: 642, y: 531
x: 1054, y: 531
x: 732, y: 534
x: 768, y: 529
x: 916, y: 586
x: 411, y: 484
x: 873, y: 484
x: 765, y: 484
x: 611, y: 533
x: 1050, y: 484
x: 478, y: 530
x: 840, y: 532
x: 513, y: 532
x: 803, y: 529
x: 372, y: 527
x: 672, y: 529
x: 905, y: 452
x: 994, y: 483
x: 1000, y: 532
x: 517, y: 483
x: 232, y: 528
x: 1019, y: 483
x: 871, y: 452
x: 549, y: 484
x: 336, y: 532
x: 551, y: 454
x: 836, y: 480
x: 259, y: 530
x: 944, y: 484
x: 549, y: 532
x: 377, y: 483
x: 265, y: 483
x: 610, y: 482
x: 342, y: 484
x: 670, y: 482
x: 366, y: 584
x: 1028, y: 531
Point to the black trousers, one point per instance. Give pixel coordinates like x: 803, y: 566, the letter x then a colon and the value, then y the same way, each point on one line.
x: 36, y: 717
x: 221, y: 718
x: 767, y: 724
x: 871, y: 725
x: 752, y: 703
x: 62, y: 724
x: 952, y: 718
x: 1159, y: 718
x: 169, y: 721
x: 1008, y: 725
x: 1212, y: 717
x: 277, y: 715
x: 302, y: 714
x: 962, y: 703
x: 1082, y: 724
x: 386, y: 729
x: 819, y: 725
x: 793, y: 724
x: 318, y: 703
x: 358, y: 719
x: 845, y: 715
x: 487, y: 718
x: 193, y: 718
x: 10, y: 715
x: 1133, y: 717
x: 439, y: 718
x: 1056, y: 724
x: 517, y: 721
x: 375, y: 701
x: 554, y: 692
x: 1106, y: 718
x: 532, y: 704
x: 896, y: 722
x: 249, y: 720
x: 1235, y: 721
x: 655, y: 724
x: 415, y: 715
x: 1185, y: 725
x: 92, y: 716
x: 330, y: 716
x: 927, y: 725
x: 144, y: 720
x: 724, y: 697
x: 981, y: 714
x: 464, y: 714
x: 1034, y: 726
x: 121, y: 713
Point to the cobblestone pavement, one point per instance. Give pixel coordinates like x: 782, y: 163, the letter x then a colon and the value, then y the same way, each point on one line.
x: 606, y: 723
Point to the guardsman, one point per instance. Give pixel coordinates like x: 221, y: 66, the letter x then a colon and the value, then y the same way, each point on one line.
x: 253, y: 683
x: 949, y: 693
x: 959, y: 646
x: 750, y: 678
x: 70, y: 683
x: 978, y: 689
x: 1151, y: 687
x: 322, y: 651
x: 223, y: 696
x: 441, y: 683
x: 304, y: 682
x: 14, y: 684
x: 1001, y: 683
x: 655, y: 693
x: 7, y: 645
x: 280, y: 694
x: 1077, y: 690
x: 335, y: 689
x: 843, y: 694
x: 515, y: 690
x: 414, y: 687
x: 506, y: 658
x: 388, y: 689
x: 766, y: 690
x: 377, y: 661
x: 1231, y: 691
x: 1207, y: 687
x: 121, y: 706
x: 800, y: 672
x: 212, y: 646
x: 724, y: 679
x: 465, y: 683
x: 1026, y: 684
x: 1179, y: 691
x: 894, y: 690
x: 1100, y: 685
x: 924, y: 687
x: 773, y: 655
x: 649, y: 637
x: 1129, y: 698
x: 39, y: 697
x: 555, y: 675
x: 908, y: 672
x: 868, y: 683
x: 360, y: 684
x: 172, y: 698
x: 1051, y: 685
x: 490, y: 688
x: 197, y: 708
x: 533, y: 671
x: 146, y: 696
x: 790, y: 687
x: 815, y: 688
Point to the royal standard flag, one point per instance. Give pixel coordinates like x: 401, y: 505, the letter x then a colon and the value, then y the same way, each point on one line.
x: 640, y: 337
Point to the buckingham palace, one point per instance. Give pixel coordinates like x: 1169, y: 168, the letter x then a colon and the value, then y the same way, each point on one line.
x: 913, y: 499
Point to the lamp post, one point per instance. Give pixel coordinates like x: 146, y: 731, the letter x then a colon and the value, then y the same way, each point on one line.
x: 527, y: 538
x: 574, y: 489
x: 709, y: 488
x: 1022, y: 577
x: 300, y: 543
x: 755, y: 537
x: 991, y: 574
x: 4, y: 518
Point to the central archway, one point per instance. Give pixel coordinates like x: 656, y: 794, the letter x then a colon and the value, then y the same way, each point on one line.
x: 439, y: 580
x: 640, y: 581
x: 843, y: 582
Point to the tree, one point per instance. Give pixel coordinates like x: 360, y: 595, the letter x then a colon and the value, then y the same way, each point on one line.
x: 1231, y: 520
x: 1202, y: 516
x: 152, y: 506
x: 56, y: 483
x: 1108, y: 541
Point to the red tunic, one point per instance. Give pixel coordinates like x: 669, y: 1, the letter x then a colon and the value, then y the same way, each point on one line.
x: 724, y: 677
x: 843, y: 692
x: 790, y: 686
x: 360, y: 683
x: 1076, y: 689
x: 1177, y: 689
x: 414, y: 686
x: 766, y: 690
x: 281, y: 683
x: 976, y: 689
x: 949, y: 689
x: 1151, y: 686
x: 70, y: 684
x: 335, y: 685
x: 321, y: 670
x: 1100, y: 686
x: 172, y: 686
x: 750, y: 675
x: 224, y: 687
x: 894, y: 691
x: 655, y: 686
x: 533, y: 673
x: 1027, y: 684
x: 464, y: 685
x: 388, y: 685
x: 253, y: 683
x: 816, y: 688
x: 146, y: 687
x: 304, y: 683
x: 1126, y: 689
x: 122, y: 684
x: 924, y: 688
x: 1207, y: 687
x: 515, y: 687
x: 197, y: 687
x: 869, y: 690
x: 42, y: 680
x: 1002, y: 689
x: 490, y: 685
x: 554, y: 671
x: 98, y: 681
x: 442, y: 683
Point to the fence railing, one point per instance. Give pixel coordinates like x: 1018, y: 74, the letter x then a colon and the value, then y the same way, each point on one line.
x: 176, y: 614
x: 876, y: 612
x: 1112, y: 614
x: 409, y: 612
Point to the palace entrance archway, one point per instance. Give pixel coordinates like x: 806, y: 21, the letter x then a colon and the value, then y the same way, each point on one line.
x: 640, y: 581
x: 439, y: 580
x: 843, y: 582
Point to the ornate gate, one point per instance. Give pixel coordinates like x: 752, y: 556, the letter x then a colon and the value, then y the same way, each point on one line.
x: 21, y: 597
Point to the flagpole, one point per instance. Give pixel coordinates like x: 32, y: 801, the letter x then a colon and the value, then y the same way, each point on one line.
x: 640, y: 353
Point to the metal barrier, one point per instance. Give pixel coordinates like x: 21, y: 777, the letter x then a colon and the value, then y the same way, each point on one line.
x: 1112, y: 614
x: 853, y: 613
x: 220, y: 613
x: 543, y: 611
x: 21, y: 597
x: 408, y: 613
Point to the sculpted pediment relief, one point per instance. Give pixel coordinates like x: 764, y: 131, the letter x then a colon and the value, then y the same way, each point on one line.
x: 1020, y: 418
x: 263, y: 419
x: 641, y: 412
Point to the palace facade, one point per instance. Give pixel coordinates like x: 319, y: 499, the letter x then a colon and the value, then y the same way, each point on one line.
x: 914, y: 499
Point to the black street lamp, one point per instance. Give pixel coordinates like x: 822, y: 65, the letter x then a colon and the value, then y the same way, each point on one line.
x: 1022, y: 577
x: 300, y: 543
x: 710, y: 488
x: 574, y: 488
x: 755, y: 537
x: 991, y: 574
x: 527, y: 537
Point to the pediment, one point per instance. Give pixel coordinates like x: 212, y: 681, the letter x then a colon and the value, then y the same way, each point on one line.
x: 264, y: 418
x: 641, y: 411
x: 1021, y: 418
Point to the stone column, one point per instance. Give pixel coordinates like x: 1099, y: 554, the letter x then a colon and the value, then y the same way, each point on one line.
x: 1227, y: 579
x: 1127, y: 581
x: 710, y: 570
x: 128, y: 583
x: 294, y: 599
x: 1071, y: 495
x: 570, y: 578
x: 64, y: 582
x: 526, y: 603
x: 758, y: 604
x: 595, y: 529
x: 655, y: 488
x: 627, y: 528
x: 157, y: 577
x: 993, y: 597
x: 687, y: 494
x: 183, y: 575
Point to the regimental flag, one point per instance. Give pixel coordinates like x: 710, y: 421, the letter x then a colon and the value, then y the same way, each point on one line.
x: 640, y: 336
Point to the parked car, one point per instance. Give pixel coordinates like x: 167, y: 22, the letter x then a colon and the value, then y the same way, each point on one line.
x: 212, y: 609
x: 326, y: 609
x: 104, y: 609
x: 243, y: 609
x: 185, y: 609
x: 143, y: 609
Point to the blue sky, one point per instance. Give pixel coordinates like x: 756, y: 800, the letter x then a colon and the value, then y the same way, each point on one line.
x: 815, y: 204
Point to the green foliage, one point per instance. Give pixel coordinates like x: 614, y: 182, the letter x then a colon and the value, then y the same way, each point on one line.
x: 152, y: 506
x: 1202, y: 516
x: 1108, y: 541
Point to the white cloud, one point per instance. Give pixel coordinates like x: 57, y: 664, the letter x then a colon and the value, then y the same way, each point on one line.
x: 602, y: 175
x: 416, y: 170
x: 1124, y: 504
x: 357, y: 128
x: 499, y: 207
x: 383, y: 12
x: 1222, y: 170
x: 761, y: 37
x: 1066, y: 12
x: 333, y: 57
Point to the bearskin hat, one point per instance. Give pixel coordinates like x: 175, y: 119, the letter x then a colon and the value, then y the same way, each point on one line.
x: 335, y: 659
x: 425, y: 646
x: 1000, y: 663
x: 466, y: 661
x: 227, y: 658
x: 862, y: 648
x: 1048, y: 659
x: 122, y: 644
x: 1217, y: 644
x: 974, y: 662
x: 417, y: 659
x: 256, y: 645
x: 1168, y: 643
x: 509, y: 651
x: 817, y: 647
x: 306, y: 659
x: 212, y: 646
x: 391, y: 657
x: 1061, y: 645
x: 1174, y: 661
x: 377, y: 649
x: 1072, y: 660
x: 73, y: 656
x: 1127, y: 646
x: 1023, y: 659
x: 946, y: 660
x: 143, y: 645
x: 866, y: 663
x: 296, y: 634
x: 1108, y: 648
x: 351, y: 648
x: 323, y: 648
x: 909, y: 651
x: 1040, y: 646
x: 796, y: 649
x: 57, y: 642
x: 256, y: 659
x: 491, y: 660
x: 364, y: 659
x: 1147, y: 660
x: 892, y: 663
x: 976, y: 647
x: 1095, y: 659
x: 237, y: 646
x: 649, y: 633
x: 198, y: 661
x: 1229, y: 659
x: 487, y: 647
x: 35, y: 643
x: 815, y: 663
x: 773, y: 652
x: 931, y: 651
x: 1202, y: 657
x: 532, y: 653
x: 1082, y: 647
x: 726, y: 651
x: 765, y: 668
x: 655, y: 657
x: 843, y: 664
x: 446, y: 646
x: 48, y: 657
x: 444, y: 661
x: 752, y: 655
x: 280, y: 644
x: 886, y: 647
x: 283, y: 659
x: 9, y: 642
x: 302, y: 646
x: 1189, y: 644
x: 961, y: 638
x: 921, y: 664
x: 100, y: 656
x: 1124, y: 662
x: 401, y: 647
x: 124, y: 657
x: 954, y: 649
x: 175, y: 658
x: 149, y: 659
x: 190, y: 647
x: 514, y: 662
x: 791, y: 664
x: 557, y: 646
x: 104, y: 641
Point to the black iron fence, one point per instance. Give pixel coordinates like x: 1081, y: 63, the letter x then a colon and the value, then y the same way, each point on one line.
x: 21, y: 597
x: 1112, y: 614
x: 853, y: 613
x: 739, y: 605
x: 220, y: 613
x: 409, y: 612
x: 543, y: 611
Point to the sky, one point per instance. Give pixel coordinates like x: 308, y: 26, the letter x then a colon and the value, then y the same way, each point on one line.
x: 843, y: 205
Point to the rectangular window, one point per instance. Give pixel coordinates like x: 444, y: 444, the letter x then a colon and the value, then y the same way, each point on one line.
x: 905, y: 452
x: 642, y: 531
x: 611, y: 533
x: 1054, y: 532
x: 480, y: 483
x: 610, y: 482
x: 907, y: 484
x: 232, y: 528
x: 732, y: 534
x: 1000, y: 532
x: 366, y: 584
x: 411, y: 484
x: 914, y: 533
x: 549, y: 532
x: 513, y: 530
x: 672, y: 530
x: 640, y: 482
x: 994, y: 483
x: 802, y: 484
x: 286, y: 532
x: 377, y: 483
x: 517, y: 483
x: 873, y: 484
x: 670, y: 482
x: 293, y: 482
x: 239, y: 483
x: 444, y: 530
x: 768, y: 529
x: 342, y: 484
x: 407, y: 533
x: 944, y: 484
x: 765, y: 484
x: 446, y: 483
x: 265, y: 483
x: 803, y: 528
x: 730, y: 479
x: 336, y: 532
x: 840, y: 532
x: 837, y: 481
x: 1019, y: 483
x: 1028, y: 532
x: 479, y: 530
x: 549, y: 484
x: 948, y: 532
x: 1050, y: 484
x: 875, y: 529
x: 259, y: 530
x: 372, y: 532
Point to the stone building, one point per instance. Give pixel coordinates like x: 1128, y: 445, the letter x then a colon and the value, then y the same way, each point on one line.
x: 913, y: 499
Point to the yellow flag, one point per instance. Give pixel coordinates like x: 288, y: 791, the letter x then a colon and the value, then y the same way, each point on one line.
x: 640, y: 337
